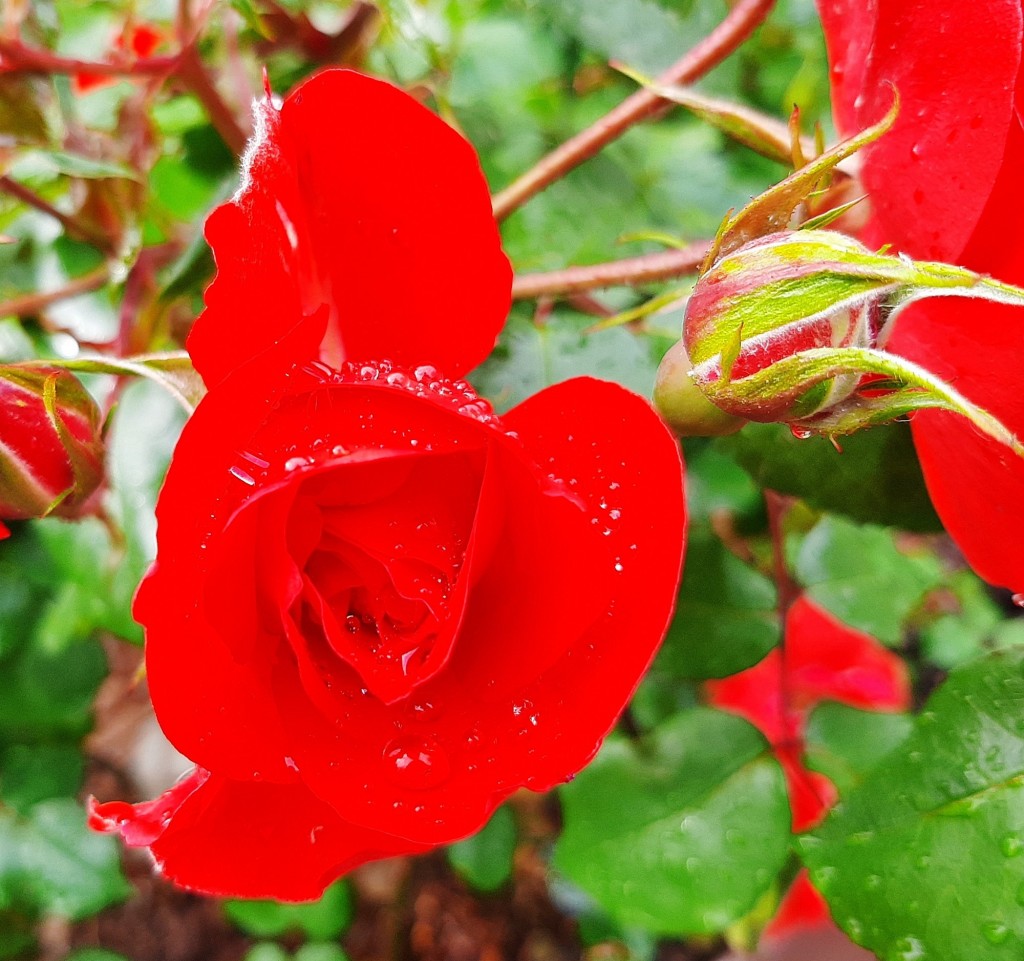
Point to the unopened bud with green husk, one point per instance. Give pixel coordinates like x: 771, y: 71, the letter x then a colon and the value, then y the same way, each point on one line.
x: 51, y: 454
x: 785, y: 327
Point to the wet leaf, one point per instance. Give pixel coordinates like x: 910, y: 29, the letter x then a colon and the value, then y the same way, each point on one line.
x: 75, y: 165
x: 859, y: 574
x: 50, y: 863
x: 319, y: 920
x: 845, y: 743
x: 925, y: 858
x: 876, y: 478
x: 682, y: 832
x: 485, y: 859
x: 529, y: 357
x: 725, y: 618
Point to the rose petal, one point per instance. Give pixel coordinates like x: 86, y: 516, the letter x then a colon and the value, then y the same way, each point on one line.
x: 976, y: 485
x: 355, y: 197
x: 249, y: 840
x: 617, y: 457
x: 557, y: 633
x: 802, y: 908
x: 955, y: 67
x: 239, y: 446
x: 825, y: 661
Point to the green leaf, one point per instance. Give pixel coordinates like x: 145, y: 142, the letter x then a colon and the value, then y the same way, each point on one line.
x: 716, y: 483
x: 50, y: 666
x: 682, y: 832
x: 876, y: 479
x: 925, y: 858
x: 485, y: 859
x: 50, y: 863
x: 75, y: 165
x: 319, y: 920
x: 529, y: 358
x: 859, y: 574
x: 978, y: 626
x: 637, y: 32
x: 726, y: 618
x: 33, y: 773
x: 845, y: 743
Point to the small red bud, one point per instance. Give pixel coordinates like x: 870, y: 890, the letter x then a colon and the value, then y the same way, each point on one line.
x: 51, y: 454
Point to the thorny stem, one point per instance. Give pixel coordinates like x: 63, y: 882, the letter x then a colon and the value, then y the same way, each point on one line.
x: 20, y: 192
x: 192, y: 72
x: 16, y: 58
x: 28, y: 304
x: 663, y: 265
x: 741, y: 21
x: 787, y: 591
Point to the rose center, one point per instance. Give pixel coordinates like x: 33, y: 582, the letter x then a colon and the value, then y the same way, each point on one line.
x: 384, y: 581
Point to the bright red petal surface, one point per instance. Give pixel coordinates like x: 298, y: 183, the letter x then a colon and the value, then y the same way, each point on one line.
x: 802, y: 908
x: 570, y: 575
x: 955, y: 66
x: 946, y: 184
x: 248, y: 840
x: 357, y: 199
x: 976, y: 484
x: 558, y: 629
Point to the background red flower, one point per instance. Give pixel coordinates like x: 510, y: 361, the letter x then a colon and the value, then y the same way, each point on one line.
x: 945, y: 184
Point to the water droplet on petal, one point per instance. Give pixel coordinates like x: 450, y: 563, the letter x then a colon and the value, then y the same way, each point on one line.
x: 416, y: 763
x: 242, y: 476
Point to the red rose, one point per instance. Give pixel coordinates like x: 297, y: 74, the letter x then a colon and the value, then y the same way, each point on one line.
x: 945, y: 184
x: 377, y: 610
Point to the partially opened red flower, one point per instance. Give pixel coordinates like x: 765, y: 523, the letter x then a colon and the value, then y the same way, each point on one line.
x: 377, y: 610
x: 824, y: 660
x: 945, y: 184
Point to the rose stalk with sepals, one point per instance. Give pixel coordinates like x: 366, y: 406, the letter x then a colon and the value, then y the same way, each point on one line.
x: 785, y: 325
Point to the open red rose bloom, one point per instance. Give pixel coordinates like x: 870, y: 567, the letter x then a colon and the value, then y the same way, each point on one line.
x: 945, y: 184
x: 377, y: 610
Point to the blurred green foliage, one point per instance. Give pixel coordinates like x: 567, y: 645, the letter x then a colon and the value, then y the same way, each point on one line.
x: 681, y: 825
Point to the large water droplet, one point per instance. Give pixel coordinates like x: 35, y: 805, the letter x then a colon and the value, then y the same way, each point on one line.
x: 1011, y: 846
x: 995, y: 932
x: 416, y: 763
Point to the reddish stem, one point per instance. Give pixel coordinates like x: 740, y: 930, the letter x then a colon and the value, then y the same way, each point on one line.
x: 77, y: 229
x: 192, y: 72
x: 663, y: 265
x: 15, y: 57
x: 787, y: 589
x: 741, y: 21
x: 28, y: 304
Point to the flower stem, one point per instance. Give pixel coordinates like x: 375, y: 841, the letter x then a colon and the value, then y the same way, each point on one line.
x: 662, y: 265
x: 737, y: 26
x: 20, y: 192
x: 28, y: 304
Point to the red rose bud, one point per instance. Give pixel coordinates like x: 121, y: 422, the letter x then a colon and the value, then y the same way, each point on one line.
x: 51, y: 456
x: 785, y: 327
